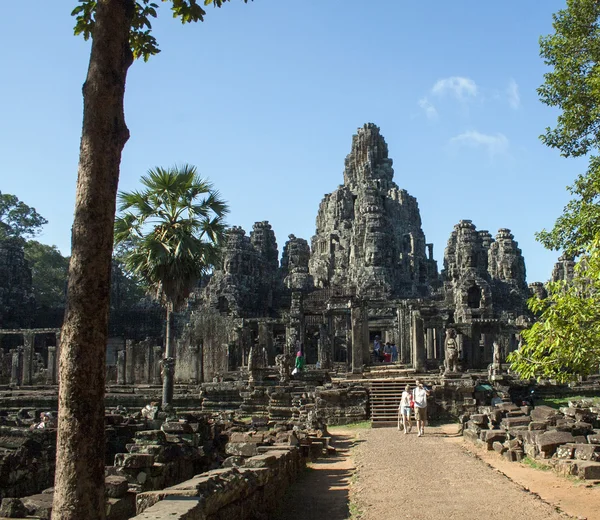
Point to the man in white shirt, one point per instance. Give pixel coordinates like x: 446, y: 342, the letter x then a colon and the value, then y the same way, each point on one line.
x: 420, y: 394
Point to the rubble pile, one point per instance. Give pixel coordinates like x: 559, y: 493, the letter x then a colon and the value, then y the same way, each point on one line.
x: 568, y: 438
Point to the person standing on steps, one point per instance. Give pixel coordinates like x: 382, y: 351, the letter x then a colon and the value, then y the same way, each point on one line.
x: 404, y: 410
x: 420, y: 394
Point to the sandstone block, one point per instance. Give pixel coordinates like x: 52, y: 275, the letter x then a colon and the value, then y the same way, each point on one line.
x: 588, y: 470
x: 150, y: 437
x: 515, y: 422
x: 134, y: 460
x: 177, y: 427
x: 116, y: 487
x: 242, y: 449
x: 547, y: 442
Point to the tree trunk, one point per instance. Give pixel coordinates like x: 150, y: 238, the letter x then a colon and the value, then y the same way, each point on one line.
x: 169, y: 360
x: 79, y: 482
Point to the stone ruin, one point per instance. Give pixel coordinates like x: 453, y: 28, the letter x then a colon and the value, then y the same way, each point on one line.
x: 567, y: 439
x: 367, y: 272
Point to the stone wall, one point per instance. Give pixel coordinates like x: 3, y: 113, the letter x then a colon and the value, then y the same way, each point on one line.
x: 251, y: 491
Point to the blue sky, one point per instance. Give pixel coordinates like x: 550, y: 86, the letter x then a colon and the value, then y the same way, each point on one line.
x: 264, y: 98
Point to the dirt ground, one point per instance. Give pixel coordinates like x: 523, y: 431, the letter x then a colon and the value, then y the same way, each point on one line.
x: 384, y: 474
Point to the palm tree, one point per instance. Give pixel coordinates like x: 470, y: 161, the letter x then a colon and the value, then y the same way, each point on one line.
x: 175, y: 226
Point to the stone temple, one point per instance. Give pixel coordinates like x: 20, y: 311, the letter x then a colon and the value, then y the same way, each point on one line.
x: 368, y: 272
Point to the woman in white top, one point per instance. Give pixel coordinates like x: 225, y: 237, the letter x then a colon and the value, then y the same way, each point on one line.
x: 404, y: 410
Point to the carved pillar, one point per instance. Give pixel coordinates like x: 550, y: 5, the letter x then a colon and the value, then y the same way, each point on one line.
x: 51, y: 373
x: 324, y: 355
x: 129, y: 363
x: 430, y: 343
x: 418, y: 342
x: 121, y: 370
x: 201, y: 363
x: 356, y: 316
x: 194, y: 350
x: 15, y: 366
x: 28, y: 340
x: 156, y: 365
x: 404, y: 335
x: 148, y: 355
x: 365, y: 339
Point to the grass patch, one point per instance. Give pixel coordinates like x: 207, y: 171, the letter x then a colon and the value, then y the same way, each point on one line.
x: 558, y: 402
x: 535, y: 464
x: 352, y: 426
x: 355, y: 512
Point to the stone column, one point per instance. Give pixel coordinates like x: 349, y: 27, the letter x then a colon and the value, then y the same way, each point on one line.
x: 404, y: 335
x: 156, y: 365
x: 201, y: 363
x: 148, y: 362
x: 324, y: 352
x: 430, y: 343
x: 356, y: 315
x: 121, y: 368
x: 365, y: 339
x: 418, y: 342
x: 15, y: 367
x: 194, y: 350
x: 51, y: 373
x: 28, y: 340
x: 57, y: 336
x: 129, y: 363
x: 462, y: 354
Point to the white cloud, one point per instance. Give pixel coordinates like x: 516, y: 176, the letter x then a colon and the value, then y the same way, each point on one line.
x: 494, y: 144
x: 428, y: 108
x: 512, y: 93
x: 459, y: 87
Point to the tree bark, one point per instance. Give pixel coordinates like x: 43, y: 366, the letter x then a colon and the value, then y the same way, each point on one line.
x: 169, y: 360
x: 79, y: 481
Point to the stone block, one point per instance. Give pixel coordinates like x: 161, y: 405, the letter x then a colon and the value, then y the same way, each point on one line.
x: 147, y: 499
x: 150, y: 437
x: 513, y: 455
x: 116, y: 487
x: 265, y: 460
x: 234, y: 461
x: 175, y: 508
x: 177, y: 428
x: 479, y: 419
x: 120, y: 508
x: 516, y: 413
x: 587, y: 452
x: 499, y: 447
x: 242, y: 449
x: 471, y: 435
x: 538, y: 425
x: 594, y: 438
x: 547, y: 442
x: 544, y: 413
x: 566, y: 451
x: 515, y: 422
x: 134, y: 460
x: 12, y: 508
x: 588, y: 470
x: 507, y: 407
x: 582, y: 428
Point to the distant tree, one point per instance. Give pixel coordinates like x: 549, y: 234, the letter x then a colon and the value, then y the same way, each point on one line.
x: 176, y: 227
x: 48, y: 272
x: 17, y: 219
x: 564, y: 343
x: 120, y: 31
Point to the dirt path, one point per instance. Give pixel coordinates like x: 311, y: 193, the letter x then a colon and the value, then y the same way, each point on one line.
x: 322, y: 492
x: 381, y: 474
x: 405, y: 476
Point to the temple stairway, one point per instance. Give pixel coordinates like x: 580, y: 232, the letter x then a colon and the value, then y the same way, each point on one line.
x: 384, y: 397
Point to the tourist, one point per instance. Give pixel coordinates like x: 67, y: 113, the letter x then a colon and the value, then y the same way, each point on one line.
x: 404, y: 410
x: 387, y: 353
x: 377, y: 355
x: 419, y: 395
x: 299, y: 362
x: 394, y: 353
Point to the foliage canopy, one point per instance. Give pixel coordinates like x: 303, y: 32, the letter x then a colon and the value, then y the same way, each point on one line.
x: 176, y: 226
x: 17, y: 219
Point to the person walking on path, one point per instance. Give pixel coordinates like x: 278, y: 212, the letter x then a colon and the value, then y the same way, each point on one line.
x: 404, y: 410
x: 420, y: 394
